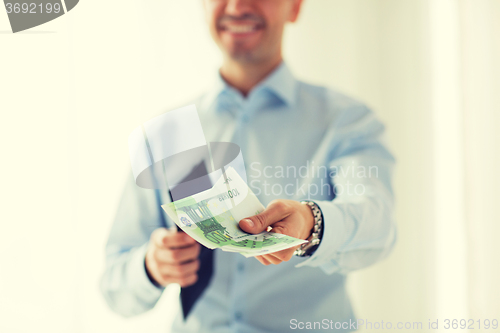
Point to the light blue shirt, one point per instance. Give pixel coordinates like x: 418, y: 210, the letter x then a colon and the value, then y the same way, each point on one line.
x: 297, y: 140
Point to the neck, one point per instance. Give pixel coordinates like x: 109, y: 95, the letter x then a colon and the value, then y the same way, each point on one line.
x: 244, y: 76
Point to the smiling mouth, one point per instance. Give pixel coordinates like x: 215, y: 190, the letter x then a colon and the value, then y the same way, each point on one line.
x: 240, y: 28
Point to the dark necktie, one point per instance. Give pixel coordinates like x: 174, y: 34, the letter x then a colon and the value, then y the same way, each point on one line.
x: 185, y: 188
x: 190, y: 295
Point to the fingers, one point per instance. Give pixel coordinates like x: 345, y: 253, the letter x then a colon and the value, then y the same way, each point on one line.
x: 275, y: 211
x: 172, y: 257
x: 276, y: 257
x: 263, y: 260
x: 284, y: 255
x: 184, y: 281
x: 164, y: 238
x: 272, y: 259
x: 184, y: 274
x: 179, y: 270
x: 177, y: 255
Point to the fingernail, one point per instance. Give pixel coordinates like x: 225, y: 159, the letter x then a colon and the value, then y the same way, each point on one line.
x: 248, y: 222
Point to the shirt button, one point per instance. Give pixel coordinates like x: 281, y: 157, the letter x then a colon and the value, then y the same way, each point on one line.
x: 238, y: 315
x: 241, y: 267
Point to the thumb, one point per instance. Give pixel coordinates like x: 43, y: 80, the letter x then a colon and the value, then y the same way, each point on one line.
x: 275, y: 212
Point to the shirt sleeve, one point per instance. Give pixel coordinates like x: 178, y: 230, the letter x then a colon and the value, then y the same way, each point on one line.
x: 125, y: 283
x: 358, y: 227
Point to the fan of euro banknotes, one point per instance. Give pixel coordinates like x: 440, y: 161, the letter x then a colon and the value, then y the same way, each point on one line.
x: 211, y: 217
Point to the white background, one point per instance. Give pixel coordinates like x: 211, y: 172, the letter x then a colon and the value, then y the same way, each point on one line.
x: 72, y: 90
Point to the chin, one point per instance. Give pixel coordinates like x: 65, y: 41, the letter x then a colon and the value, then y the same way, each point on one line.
x: 242, y: 55
x: 241, y: 52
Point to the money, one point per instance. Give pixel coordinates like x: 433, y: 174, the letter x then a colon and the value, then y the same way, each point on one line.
x: 211, y: 217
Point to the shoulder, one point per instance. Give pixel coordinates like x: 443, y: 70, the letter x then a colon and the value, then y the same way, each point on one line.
x: 332, y: 104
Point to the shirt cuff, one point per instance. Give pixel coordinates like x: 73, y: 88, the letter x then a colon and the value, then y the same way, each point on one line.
x: 138, y: 276
x: 333, y: 235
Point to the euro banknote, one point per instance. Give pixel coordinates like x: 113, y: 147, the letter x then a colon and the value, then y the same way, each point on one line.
x: 211, y: 217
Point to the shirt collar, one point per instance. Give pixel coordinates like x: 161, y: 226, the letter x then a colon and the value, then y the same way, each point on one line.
x: 280, y: 82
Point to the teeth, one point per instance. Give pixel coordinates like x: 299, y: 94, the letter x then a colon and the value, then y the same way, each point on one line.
x: 240, y: 28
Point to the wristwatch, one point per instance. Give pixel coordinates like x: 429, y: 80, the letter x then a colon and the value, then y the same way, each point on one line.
x: 307, y: 249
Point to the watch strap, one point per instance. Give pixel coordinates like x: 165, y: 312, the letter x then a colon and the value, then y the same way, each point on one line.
x: 307, y: 249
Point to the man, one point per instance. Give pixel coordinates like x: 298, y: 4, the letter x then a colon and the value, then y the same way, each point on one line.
x: 300, y: 142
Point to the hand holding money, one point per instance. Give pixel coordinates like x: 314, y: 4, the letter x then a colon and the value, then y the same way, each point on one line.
x: 287, y: 217
x: 211, y: 218
x: 172, y: 257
